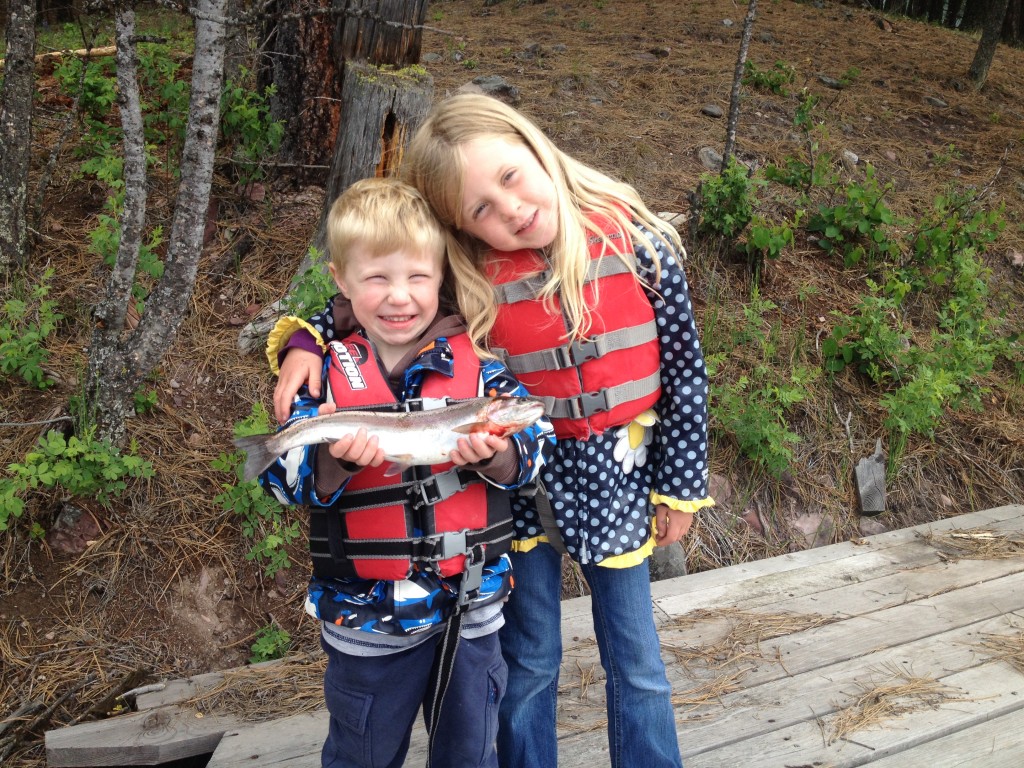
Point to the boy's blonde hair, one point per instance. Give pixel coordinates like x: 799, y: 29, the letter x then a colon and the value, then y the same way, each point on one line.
x: 382, y: 216
x: 435, y: 165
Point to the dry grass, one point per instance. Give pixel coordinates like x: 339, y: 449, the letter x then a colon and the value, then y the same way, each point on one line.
x: 899, y: 694
x: 1008, y: 648
x: 976, y: 544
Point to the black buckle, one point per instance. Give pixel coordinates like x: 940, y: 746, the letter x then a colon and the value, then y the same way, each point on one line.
x: 587, y: 404
x: 436, y: 489
x: 472, y: 577
x: 587, y: 349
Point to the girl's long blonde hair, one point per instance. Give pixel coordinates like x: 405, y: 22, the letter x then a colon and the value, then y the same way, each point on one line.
x: 435, y: 165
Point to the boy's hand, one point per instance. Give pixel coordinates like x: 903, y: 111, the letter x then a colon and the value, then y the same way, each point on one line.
x: 477, y: 448
x: 670, y: 525
x: 298, y: 367
x: 359, y: 448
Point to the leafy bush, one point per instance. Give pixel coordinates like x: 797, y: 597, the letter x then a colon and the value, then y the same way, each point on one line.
x: 272, y: 642
x: 83, y: 467
x: 262, y: 518
x: 312, y: 289
x: 728, y: 200
x: 246, y: 123
x: 775, y: 79
x: 857, y: 227
x: 27, y: 324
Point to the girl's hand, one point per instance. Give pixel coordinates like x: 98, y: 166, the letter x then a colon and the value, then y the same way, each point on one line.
x: 298, y: 367
x: 477, y: 447
x: 359, y: 448
x: 670, y: 525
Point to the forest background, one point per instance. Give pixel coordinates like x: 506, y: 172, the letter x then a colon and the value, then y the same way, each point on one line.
x: 858, y: 277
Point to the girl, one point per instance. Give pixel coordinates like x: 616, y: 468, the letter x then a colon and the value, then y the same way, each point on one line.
x: 566, y: 275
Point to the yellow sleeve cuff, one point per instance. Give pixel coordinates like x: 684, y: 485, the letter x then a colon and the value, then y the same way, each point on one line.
x: 281, y: 332
x: 690, y: 506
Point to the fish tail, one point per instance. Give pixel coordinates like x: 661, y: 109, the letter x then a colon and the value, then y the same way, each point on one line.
x: 258, y: 454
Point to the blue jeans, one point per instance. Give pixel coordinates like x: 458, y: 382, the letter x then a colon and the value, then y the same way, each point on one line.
x: 373, y: 700
x: 641, y: 721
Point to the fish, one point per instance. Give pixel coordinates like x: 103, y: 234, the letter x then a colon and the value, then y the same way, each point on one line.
x: 407, y: 438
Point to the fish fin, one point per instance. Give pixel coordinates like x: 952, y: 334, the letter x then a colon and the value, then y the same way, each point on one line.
x: 395, y: 469
x: 258, y: 454
x: 470, y: 428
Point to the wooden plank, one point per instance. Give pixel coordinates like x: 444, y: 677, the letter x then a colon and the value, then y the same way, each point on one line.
x: 291, y: 742
x: 141, y: 738
x: 987, y: 693
x: 809, y: 572
x: 997, y: 743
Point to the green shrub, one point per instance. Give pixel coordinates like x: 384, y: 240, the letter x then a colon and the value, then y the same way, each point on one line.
x: 262, y: 517
x: 27, y: 323
x: 272, y: 642
x: 83, y: 467
x: 728, y: 200
x: 775, y: 79
x: 857, y: 228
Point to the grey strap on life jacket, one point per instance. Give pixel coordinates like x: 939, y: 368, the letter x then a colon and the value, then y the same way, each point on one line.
x: 580, y: 350
x: 529, y: 287
x: 589, y: 403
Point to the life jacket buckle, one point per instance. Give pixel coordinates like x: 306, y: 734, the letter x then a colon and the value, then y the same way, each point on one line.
x: 436, y: 488
x: 472, y: 576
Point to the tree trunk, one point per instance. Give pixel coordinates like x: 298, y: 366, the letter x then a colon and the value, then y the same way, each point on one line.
x: 990, y: 33
x: 308, y: 46
x: 737, y: 79
x: 378, y: 105
x: 381, y: 110
x: 118, y: 361
x: 16, y: 132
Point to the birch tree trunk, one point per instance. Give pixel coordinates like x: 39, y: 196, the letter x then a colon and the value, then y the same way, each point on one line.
x: 16, y: 132
x: 120, y: 360
x: 737, y: 79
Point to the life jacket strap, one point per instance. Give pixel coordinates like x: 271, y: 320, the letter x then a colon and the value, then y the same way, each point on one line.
x: 580, y: 351
x: 420, y: 492
x: 589, y: 403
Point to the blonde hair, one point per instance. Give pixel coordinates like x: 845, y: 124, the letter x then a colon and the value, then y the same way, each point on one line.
x: 435, y: 165
x: 382, y: 216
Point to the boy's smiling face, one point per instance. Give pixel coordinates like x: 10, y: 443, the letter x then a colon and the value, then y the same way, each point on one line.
x: 394, y: 296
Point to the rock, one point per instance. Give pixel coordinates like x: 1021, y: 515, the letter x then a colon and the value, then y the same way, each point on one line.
x: 431, y: 58
x: 661, y: 51
x: 890, y: 155
x: 711, y: 110
x: 668, y: 562
x: 710, y: 158
x: 74, y: 530
x: 559, y: 48
x: 872, y: 526
x: 850, y: 160
x: 830, y: 82
x: 493, y: 85
x: 869, y: 479
x: 935, y: 101
x: 720, y: 489
x: 1015, y: 258
x: 727, y: 22
x: 766, y: 37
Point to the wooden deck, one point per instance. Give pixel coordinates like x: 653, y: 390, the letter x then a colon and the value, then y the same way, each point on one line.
x: 881, y: 652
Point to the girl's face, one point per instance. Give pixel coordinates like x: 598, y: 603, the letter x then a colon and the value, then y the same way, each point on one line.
x: 394, y: 296
x: 508, y: 199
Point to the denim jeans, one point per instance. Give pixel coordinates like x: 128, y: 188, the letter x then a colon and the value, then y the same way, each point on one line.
x: 641, y: 721
x: 373, y: 700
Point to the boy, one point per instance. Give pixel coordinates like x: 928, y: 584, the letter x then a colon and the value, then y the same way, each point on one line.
x: 409, y: 566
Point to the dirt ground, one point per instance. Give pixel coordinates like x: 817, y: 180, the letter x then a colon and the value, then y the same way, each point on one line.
x: 159, y: 586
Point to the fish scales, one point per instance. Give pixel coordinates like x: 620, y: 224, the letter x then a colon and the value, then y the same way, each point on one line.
x: 406, y: 438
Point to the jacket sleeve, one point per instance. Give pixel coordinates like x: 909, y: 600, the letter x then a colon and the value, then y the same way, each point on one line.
x: 315, y: 333
x: 291, y: 479
x: 681, y: 443
x: 534, y: 444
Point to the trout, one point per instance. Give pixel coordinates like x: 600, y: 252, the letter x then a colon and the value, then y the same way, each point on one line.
x: 407, y: 438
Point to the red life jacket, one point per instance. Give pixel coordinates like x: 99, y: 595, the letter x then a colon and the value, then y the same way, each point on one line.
x: 426, y: 517
x: 591, y: 384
